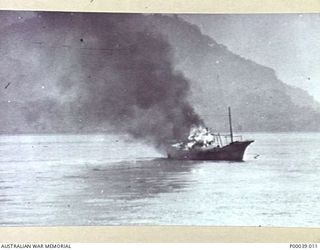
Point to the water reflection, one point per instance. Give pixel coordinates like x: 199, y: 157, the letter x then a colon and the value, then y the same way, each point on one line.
x: 115, y: 193
x: 139, y: 179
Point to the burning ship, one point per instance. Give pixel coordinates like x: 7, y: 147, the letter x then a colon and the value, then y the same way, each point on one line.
x: 202, y: 144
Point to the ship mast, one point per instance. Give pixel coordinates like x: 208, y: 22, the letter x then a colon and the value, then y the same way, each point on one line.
x: 230, y: 124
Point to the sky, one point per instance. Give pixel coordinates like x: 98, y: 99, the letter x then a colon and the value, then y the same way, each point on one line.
x: 288, y: 43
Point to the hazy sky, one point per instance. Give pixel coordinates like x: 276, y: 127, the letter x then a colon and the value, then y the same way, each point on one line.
x: 288, y: 43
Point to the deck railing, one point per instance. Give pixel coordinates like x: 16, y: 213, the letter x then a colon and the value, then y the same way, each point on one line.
x: 220, y: 139
x: 224, y: 139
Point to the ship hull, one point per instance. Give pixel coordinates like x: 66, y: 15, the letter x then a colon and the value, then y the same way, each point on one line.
x: 231, y: 152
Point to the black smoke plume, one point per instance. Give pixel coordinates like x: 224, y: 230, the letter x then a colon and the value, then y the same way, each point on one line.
x: 110, y: 69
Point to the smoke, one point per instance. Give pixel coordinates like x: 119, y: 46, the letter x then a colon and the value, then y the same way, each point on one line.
x: 109, y: 70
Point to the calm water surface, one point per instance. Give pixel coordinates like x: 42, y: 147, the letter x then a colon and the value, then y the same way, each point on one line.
x: 108, y: 180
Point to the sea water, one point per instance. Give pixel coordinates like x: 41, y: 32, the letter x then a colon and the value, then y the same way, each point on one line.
x: 112, y: 180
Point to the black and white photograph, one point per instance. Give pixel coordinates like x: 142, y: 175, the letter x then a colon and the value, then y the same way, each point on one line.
x: 110, y: 119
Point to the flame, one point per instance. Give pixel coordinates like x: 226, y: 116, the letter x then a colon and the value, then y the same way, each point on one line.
x: 199, y: 137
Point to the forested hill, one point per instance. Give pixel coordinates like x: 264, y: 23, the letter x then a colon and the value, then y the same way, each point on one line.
x: 221, y: 78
